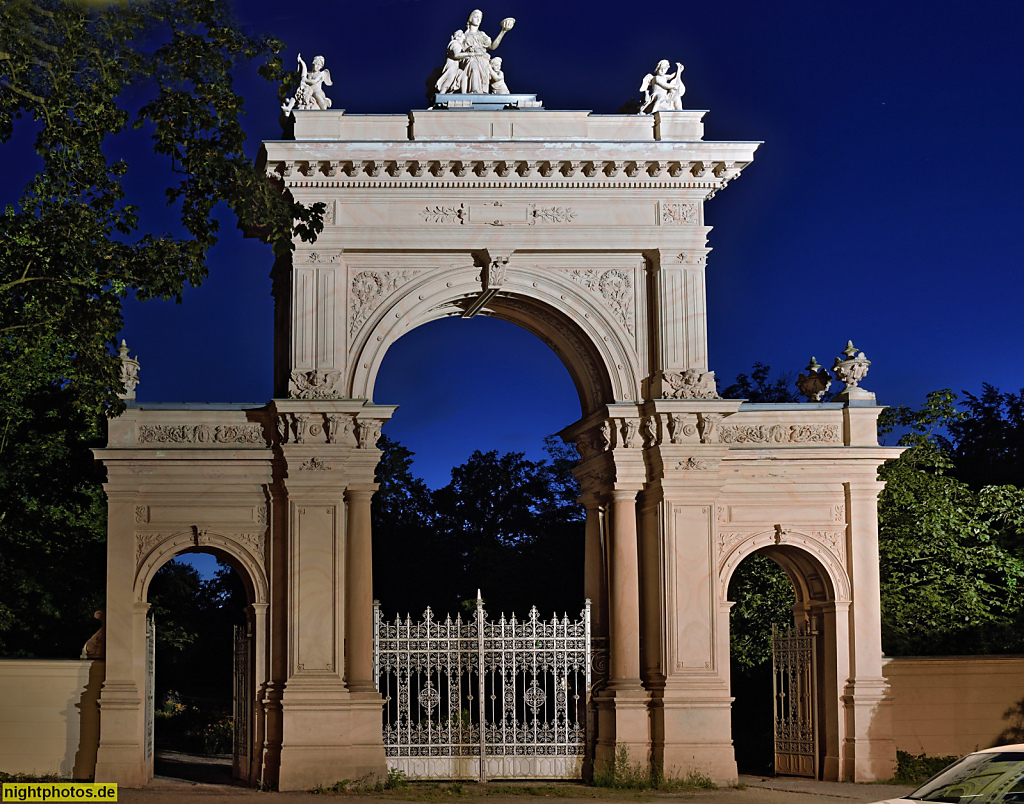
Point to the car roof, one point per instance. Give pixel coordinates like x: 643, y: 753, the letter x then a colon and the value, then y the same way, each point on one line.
x: 997, y: 748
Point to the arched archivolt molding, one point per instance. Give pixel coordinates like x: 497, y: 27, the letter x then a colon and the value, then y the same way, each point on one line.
x: 244, y: 552
x: 596, y: 347
x: 817, y: 572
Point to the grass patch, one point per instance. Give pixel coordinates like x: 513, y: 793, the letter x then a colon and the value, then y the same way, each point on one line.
x: 371, y: 783
x: 18, y: 778
x: 545, y: 790
x: 621, y: 774
x: 911, y: 769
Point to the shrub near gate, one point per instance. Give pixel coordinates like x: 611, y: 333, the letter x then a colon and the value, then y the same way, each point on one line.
x: 621, y: 774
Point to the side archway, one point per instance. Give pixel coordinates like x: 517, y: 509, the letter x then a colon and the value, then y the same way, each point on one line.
x: 245, y: 554
x: 814, y: 564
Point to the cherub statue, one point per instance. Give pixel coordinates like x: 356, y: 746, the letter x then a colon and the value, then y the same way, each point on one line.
x: 498, y: 85
x: 663, y: 92
x: 310, y: 93
x: 452, y: 78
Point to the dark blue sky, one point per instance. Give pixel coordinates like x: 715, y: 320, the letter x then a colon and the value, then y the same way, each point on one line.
x: 884, y: 205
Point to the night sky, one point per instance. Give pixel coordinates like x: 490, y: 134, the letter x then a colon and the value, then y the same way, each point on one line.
x: 884, y: 205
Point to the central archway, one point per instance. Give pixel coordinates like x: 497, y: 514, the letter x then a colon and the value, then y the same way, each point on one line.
x: 587, y: 316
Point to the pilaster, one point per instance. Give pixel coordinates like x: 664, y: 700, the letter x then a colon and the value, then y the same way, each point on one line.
x: 686, y: 624
x: 120, y: 756
x: 330, y: 711
x: 870, y: 750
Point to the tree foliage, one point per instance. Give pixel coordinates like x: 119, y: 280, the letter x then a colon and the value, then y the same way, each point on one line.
x: 762, y: 596
x: 504, y: 524
x: 986, y: 446
x: 950, y: 559
x: 194, y: 648
x: 71, y: 251
x: 759, y: 386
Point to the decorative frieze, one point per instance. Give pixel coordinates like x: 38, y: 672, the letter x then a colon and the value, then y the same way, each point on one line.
x: 780, y: 434
x: 639, y: 172
x: 250, y: 433
x: 315, y: 464
x: 141, y: 514
x: 649, y: 431
x: 628, y: 428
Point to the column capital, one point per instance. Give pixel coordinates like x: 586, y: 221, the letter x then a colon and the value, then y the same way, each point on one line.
x: 360, y: 493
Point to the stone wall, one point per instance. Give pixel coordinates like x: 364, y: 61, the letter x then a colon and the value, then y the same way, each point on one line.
x: 50, y: 717
x: 953, y: 704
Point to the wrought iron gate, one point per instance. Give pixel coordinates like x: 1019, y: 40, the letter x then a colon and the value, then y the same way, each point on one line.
x: 150, y: 689
x: 243, y: 699
x: 796, y: 712
x: 512, y: 693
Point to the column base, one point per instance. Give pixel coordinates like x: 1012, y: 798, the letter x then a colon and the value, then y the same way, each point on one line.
x: 120, y: 755
x: 694, y: 736
x: 869, y: 749
x: 623, y: 725
x: 327, y: 741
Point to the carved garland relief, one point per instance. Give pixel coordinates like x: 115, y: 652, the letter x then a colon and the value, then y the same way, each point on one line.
x: 497, y: 214
x: 780, y: 434
x: 201, y: 434
x: 679, y: 214
x: 366, y: 291
x: 616, y: 289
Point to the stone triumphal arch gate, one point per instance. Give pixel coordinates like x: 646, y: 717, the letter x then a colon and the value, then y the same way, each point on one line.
x: 589, y: 231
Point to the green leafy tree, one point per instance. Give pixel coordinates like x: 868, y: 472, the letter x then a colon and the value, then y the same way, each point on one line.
x: 986, y: 446
x: 759, y: 386
x: 762, y: 596
x: 505, y: 525
x: 504, y: 520
x: 950, y: 560
x: 71, y: 252
x: 407, y: 556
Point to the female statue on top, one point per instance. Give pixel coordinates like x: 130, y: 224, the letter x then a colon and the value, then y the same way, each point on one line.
x: 468, y: 67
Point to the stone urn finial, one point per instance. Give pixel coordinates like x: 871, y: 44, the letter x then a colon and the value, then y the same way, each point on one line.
x: 850, y: 372
x: 129, y: 372
x: 816, y: 383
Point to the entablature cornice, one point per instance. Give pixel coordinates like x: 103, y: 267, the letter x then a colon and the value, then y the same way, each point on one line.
x: 707, y: 167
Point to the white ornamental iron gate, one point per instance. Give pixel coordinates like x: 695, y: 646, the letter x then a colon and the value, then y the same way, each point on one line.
x: 150, y: 690
x: 796, y: 712
x: 511, y: 693
x: 242, y: 703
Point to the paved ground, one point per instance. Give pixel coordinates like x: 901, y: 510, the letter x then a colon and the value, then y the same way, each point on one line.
x: 752, y: 790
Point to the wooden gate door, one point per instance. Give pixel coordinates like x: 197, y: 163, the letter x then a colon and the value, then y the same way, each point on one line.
x: 796, y: 711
